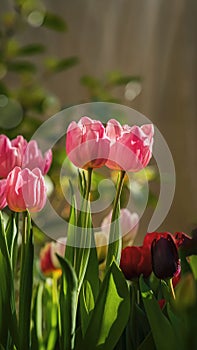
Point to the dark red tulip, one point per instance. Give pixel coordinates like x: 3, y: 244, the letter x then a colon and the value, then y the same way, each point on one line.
x: 165, y: 259
x: 135, y: 261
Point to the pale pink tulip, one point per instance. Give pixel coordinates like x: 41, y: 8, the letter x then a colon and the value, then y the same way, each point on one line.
x: 49, y: 262
x: 25, y: 190
x: 10, y: 156
x: 3, y: 201
x: 86, y: 143
x: 33, y: 158
x: 129, y: 223
x: 131, y: 147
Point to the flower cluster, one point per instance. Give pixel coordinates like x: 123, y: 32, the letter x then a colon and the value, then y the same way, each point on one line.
x: 159, y: 253
x: 22, y: 167
x: 91, y: 145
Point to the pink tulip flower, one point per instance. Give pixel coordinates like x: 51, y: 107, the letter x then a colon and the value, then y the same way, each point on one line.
x: 3, y: 201
x: 33, y: 158
x: 131, y: 147
x: 129, y: 224
x: 49, y: 262
x: 86, y: 143
x: 25, y: 190
x: 10, y: 156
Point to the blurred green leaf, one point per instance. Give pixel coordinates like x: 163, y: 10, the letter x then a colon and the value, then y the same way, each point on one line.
x: 90, y: 81
x: 116, y: 78
x: 54, y: 22
x: 32, y: 49
x: 54, y: 65
x: 21, y: 67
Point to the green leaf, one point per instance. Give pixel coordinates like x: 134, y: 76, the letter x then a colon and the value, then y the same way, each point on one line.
x: 7, y: 296
x: 70, y: 252
x: 114, y: 247
x: 26, y: 285
x: 68, y: 305
x: 162, y: 330
x: 11, y: 236
x: 54, y: 22
x: 110, y: 314
x: 90, y: 82
x: 116, y: 78
x: 148, y: 343
x: 55, y: 65
x: 84, y: 238
x: 193, y: 264
x: 86, y: 305
x: 31, y: 49
x: 22, y: 67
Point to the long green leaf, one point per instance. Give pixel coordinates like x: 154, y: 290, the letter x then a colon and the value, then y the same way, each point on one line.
x: 86, y: 305
x: 110, y: 314
x: 8, y: 324
x: 26, y: 285
x: 162, y: 330
x: 68, y: 305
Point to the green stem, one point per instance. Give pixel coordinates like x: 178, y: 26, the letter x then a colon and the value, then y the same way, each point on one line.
x: 171, y: 288
x: 89, y: 179
x: 114, y: 247
x: 118, y: 193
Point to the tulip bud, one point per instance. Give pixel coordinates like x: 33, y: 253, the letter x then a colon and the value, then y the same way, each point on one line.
x: 25, y: 189
x: 101, y: 245
x: 49, y: 262
x: 131, y: 147
x: 165, y: 259
x: 86, y: 143
x: 129, y: 223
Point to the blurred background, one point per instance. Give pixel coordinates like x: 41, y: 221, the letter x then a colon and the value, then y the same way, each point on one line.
x: 142, y: 54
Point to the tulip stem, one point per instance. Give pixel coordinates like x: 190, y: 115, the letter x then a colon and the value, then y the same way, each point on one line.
x: 118, y: 193
x: 89, y: 179
x: 171, y: 288
x: 24, y: 229
x: 115, y: 244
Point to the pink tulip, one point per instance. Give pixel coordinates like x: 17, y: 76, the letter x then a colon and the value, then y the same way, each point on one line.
x: 20, y: 143
x: 32, y: 158
x: 49, y: 262
x: 25, y: 190
x: 86, y: 143
x: 131, y: 147
x: 129, y: 223
x: 9, y: 156
x: 3, y: 201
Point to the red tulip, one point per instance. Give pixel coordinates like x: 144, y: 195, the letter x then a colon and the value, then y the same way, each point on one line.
x: 135, y: 261
x: 86, y: 143
x: 131, y: 147
x: 25, y: 190
x: 3, y: 201
x: 49, y: 262
x: 10, y: 156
